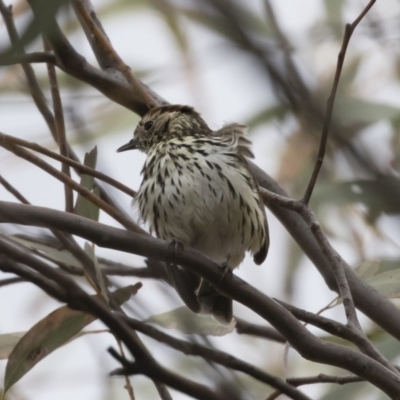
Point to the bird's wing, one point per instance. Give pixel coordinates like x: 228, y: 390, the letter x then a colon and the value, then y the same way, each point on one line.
x: 234, y: 135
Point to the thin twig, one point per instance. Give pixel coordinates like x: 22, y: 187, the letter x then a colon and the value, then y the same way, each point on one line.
x: 78, y: 166
x: 246, y: 328
x: 38, y: 57
x: 128, y: 385
x: 113, y: 58
x: 349, y: 29
x: 321, y: 378
x: 60, y: 129
x: 20, y: 152
x: 337, y: 265
x: 11, y: 281
x: 7, y: 185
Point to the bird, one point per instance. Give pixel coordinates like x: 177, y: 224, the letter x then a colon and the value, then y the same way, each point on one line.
x: 198, y: 191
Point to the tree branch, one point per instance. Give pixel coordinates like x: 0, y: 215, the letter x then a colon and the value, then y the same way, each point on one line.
x: 78, y: 166
x: 349, y: 29
x: 60, y: 129
x: 300, y: 338
x: 65, y: 289
x: 216, y: 356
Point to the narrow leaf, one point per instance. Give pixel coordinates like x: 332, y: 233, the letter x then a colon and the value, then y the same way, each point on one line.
x: 186, y: 321
x: 84, y: 207
x: 57, y: 255
x: 387, y: 283
x: 8, y: 342
x: 101, y: 279
x: 49, y: 334
x: 368, y: 269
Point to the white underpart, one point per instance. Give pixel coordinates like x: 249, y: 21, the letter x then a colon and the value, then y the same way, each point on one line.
x: 200, y: 209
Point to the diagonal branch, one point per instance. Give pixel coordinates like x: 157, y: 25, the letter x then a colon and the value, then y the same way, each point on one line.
x: 114, y: 213
x: 78, y: 166
x: 107, y: 56
x: 60, y: 129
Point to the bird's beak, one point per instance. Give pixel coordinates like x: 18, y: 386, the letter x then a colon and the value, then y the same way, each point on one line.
x: 131, y: 145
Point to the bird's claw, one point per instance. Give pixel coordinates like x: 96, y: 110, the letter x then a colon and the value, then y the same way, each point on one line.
x: 226, y: 270
x: 177, y: 247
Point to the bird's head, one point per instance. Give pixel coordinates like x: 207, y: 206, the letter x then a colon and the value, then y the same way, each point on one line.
x: 164, y: 123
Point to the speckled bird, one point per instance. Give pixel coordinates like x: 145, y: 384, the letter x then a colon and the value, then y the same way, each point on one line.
x: 198, y: 190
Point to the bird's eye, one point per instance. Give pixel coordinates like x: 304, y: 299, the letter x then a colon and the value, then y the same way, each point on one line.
x: 148, y: 125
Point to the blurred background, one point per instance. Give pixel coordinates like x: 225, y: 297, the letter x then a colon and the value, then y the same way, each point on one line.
x: 270, y: 65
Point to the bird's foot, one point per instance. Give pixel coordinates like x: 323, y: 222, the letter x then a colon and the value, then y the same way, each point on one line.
x: 226, y: 270
x: 177, y: 246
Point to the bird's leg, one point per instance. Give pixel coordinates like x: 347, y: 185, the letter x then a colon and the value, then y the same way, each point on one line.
x: 177, y: 246
x: 185, y: 282
x: 226, y: 270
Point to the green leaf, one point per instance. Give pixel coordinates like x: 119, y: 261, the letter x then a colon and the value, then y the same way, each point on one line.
x: 351, y: 110
x: 89, y: 250
x: 49, y: 252
x: 368, y: 269
x: 84, y: 207
x: 186, y: 321
x: 383, y: 276
x: 277, y: 112
x: 380, y: 195
x: 8, y: 342
x: 222, y: 25
x: 386, y: 283
x: 333, y: 10
x: 348, y: 391
x: 49, y: 334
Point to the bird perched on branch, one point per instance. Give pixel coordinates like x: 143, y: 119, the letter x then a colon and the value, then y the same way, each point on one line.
x: 198, y: 190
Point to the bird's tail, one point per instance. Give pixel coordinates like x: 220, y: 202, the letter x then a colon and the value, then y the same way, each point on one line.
x: 200, y: 295
x: 211, y: 302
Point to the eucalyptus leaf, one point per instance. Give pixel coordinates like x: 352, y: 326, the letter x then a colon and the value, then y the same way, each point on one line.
x: 276, y: 112
x: 186, y: 321
x: 351, y: 110
x: 334, y: 10
x: 380, y: 196
x: 49, y: 334
x: 52, y: 253
x: 89, y: 250
x: 382, y: 276
x: 8, y: 342
x: 386, y: 283
x: 84, y: 207
x: 368, y: 269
